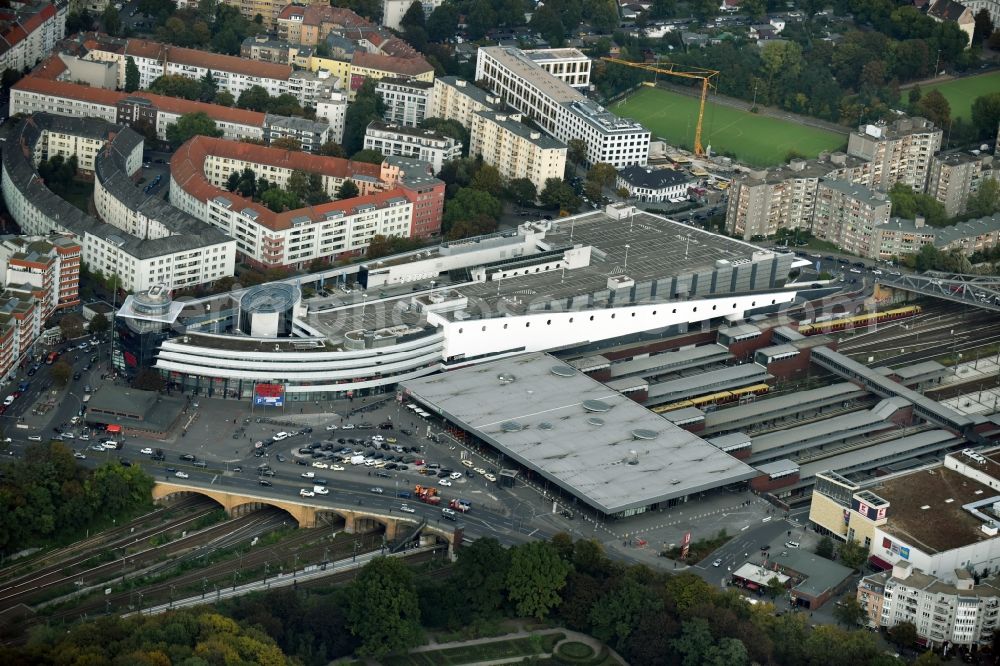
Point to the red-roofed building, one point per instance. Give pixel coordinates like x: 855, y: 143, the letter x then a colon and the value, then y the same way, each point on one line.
x: 392, y: 202
x: 34, y: 93
x: 29, y: 32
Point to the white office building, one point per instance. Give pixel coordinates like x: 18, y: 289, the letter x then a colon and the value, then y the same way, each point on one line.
x: 570, y: 66
x: 457, y: 99
x: 561, y: 110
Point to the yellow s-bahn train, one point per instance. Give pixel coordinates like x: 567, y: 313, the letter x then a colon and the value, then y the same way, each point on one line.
x: 859, y: 321
x: 713, y: 399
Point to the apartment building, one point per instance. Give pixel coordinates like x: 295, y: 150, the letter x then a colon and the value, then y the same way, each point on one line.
x: 20, y: 325
x: 763, y: 201
x: 954, y: 176
x: 415, y: 143
x: 847, y: 215
x: 29, y: 31
x: 140, y: 238
x: 991, y: 6
x: 961, y: 613
x: 50, y: 265
x: 393, y: 11
x: 900, y: 151
x: 561, y: 110
x: 516, y: 150
x: 899, y: 237
x: 391, y: 200
x: 570, y: 66
x: 265, y: 49
x: 34, y: 94
x: 267, y: 9
x: 456, y: 99
x: 406, y: 100
x: 333, y: 112
x: 378, y: 66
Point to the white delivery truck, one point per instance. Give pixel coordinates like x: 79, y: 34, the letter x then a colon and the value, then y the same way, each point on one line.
x: 357, y: 460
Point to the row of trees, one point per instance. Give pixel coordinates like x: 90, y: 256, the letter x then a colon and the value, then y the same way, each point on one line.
x: 853, y: 81
x: 649, y: 617
x: 209, y: 25
x: 47, y: 496
x: 301, y: 189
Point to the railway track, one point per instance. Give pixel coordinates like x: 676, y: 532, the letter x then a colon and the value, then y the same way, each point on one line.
x: 107, y: 539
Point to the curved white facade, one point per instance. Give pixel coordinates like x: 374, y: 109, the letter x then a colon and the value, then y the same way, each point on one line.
x: 223, y: 363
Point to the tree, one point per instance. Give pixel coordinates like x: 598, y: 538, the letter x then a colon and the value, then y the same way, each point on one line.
x: 368, y: 155
x: 470, y: 204
x: 850, y: 613
x: 367, y: 106
x: 347, y: 190
x: 286, y: 143
x: 112, y: 21
x: 280, y: 200
x: 482, y: 567
x: 986, y: 200
x: 774, y: 587
x: 614, y: 616
x: 61, y: 372
x: 189, y: 125
x: 98, y: 323
x: 175, y: 85
x: 149, y: 379
x: 382, y: 608
x: 599, y: 177
x: 480, y: 19
x: 209, y: 87
x: 699, y: 648
x: 547, y: 22
x: 908, y: 204
x: 935, y: 108
x: 72, y: 326
x: 986, y: 115
x: 224, y: 98
x: 576, y: 151
x: 447, y: 127
x: 825, y: 548
x: 331, y: 149
x: 442, y: 24
x: 984, y: 27
x: 535, y: 577
x: 558, y: 194
x: 414, y: 16
x: 77, y: 21
x: 254, y: 98
x: 131, y: 75
x: 903, y: 634
x: 928, y: 658
x: 487, y: 179
x: 522, y: 191
x: 853, y: 554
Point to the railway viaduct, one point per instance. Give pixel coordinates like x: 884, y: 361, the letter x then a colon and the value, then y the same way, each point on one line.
x: 237, y: 503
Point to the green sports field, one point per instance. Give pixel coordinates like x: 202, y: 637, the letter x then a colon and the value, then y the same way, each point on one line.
x: 753, y: 139
x: 961, y: 93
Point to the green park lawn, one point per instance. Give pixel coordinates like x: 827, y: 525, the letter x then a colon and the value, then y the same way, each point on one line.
x: 753, y: 139
x: 961, y: 93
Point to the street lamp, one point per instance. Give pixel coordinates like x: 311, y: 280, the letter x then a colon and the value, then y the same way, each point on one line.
x: 626, y: 256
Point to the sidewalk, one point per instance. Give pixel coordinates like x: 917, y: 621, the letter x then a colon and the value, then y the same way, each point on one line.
x: 571, y: 636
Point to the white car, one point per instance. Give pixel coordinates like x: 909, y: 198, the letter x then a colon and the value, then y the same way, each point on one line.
x: 8, y: 401
x: 479, y: 470
x: 146, y: 451
x: 68, y: 435
x: 81, y: 456
x: 320, y: 465
x: 407, y: 508
x: 444, y: 482
x: 348, y: 426
x: 305, y: 492
x: 337, y: 468
x: 468, y: 463
x: 369, y: 462
x: 75, y: 420
x: 717, y: 563
x: 321, y: 490
x: 182, y: 475
x: 791, y: 544
x: 489, y: 477
x: 331, y: 427
x: 308, y: 475
x: 455, y: 476
x: 280, y: 436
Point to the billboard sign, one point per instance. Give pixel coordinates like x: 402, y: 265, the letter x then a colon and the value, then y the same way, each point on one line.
x: 269, y: 395
x: 685, y: 545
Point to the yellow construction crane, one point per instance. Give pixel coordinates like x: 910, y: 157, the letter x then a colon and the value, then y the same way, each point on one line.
x: 672, y: 69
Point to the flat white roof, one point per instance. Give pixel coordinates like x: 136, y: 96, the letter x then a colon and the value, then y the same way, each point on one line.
x: 591, y: 441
